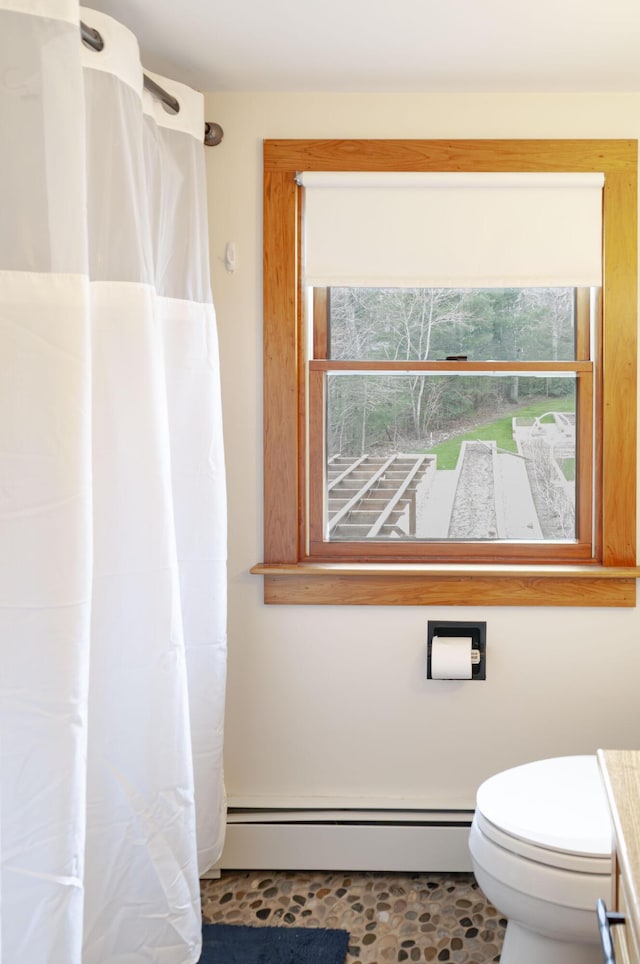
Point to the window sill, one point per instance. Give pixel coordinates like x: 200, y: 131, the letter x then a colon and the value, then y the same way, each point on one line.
x: 460, y: 585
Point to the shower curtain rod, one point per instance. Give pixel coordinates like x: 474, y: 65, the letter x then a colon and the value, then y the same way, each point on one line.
x: 213, y: 133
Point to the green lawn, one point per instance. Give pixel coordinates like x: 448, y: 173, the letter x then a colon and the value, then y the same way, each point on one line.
x: 568, y: 467
x: 498, y: 431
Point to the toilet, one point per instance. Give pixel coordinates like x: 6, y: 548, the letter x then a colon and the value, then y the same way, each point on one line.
x: 540, y: 846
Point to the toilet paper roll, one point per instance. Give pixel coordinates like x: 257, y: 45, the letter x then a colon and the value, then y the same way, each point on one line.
x: 451, y: 657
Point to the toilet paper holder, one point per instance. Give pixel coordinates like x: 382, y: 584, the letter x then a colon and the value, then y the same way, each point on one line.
x: 478, y: 633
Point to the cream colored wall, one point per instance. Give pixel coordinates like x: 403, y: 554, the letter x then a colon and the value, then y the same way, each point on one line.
x: 330, y: 704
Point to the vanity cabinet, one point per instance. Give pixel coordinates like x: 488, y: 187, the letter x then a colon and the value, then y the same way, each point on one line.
x: 621, y: 775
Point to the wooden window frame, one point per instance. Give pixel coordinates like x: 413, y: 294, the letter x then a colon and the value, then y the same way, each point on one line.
x: 291, y: 574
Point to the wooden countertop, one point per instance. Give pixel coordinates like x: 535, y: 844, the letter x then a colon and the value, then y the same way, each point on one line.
x: 621, y: 774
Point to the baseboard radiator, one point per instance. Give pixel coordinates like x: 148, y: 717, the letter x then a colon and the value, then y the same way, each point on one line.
x: 383, y: 840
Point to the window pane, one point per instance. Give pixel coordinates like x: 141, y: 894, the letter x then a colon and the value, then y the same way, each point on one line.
x: 453, y: 457
x: 428, y: 324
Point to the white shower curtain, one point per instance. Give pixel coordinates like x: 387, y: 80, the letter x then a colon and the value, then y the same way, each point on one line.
x: 112, y: 504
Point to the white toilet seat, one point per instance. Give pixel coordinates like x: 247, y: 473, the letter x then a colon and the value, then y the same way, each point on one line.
x: 534, y: 879
x: 563, y: 860
x: 550, y: 810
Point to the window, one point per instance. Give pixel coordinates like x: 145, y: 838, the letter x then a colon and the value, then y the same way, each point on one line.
x: 462, y: 435
x: 484, y: 448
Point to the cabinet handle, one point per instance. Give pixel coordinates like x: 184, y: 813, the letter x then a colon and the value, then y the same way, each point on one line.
x: 606, y: 919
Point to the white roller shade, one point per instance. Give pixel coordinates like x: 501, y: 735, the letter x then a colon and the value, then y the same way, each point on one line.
x: 452, y: 229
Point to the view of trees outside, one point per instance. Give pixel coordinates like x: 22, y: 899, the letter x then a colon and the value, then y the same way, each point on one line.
x: 427, y: 324
x: 532, y: 417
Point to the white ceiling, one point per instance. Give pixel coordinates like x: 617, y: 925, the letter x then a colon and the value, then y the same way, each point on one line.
x: 388, y: 45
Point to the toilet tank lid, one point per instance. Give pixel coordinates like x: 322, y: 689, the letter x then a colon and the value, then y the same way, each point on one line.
x: 559, y: 804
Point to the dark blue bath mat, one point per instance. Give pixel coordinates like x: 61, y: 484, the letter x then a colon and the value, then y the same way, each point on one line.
x: 236, y: 944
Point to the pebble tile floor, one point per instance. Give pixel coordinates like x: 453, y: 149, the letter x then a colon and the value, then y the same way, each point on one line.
x: 390, y: 917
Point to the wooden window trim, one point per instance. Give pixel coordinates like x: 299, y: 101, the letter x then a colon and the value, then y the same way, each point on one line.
x: 290, y: 576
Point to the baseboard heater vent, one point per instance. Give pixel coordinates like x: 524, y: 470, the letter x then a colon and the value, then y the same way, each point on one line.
x: 383, y: 840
